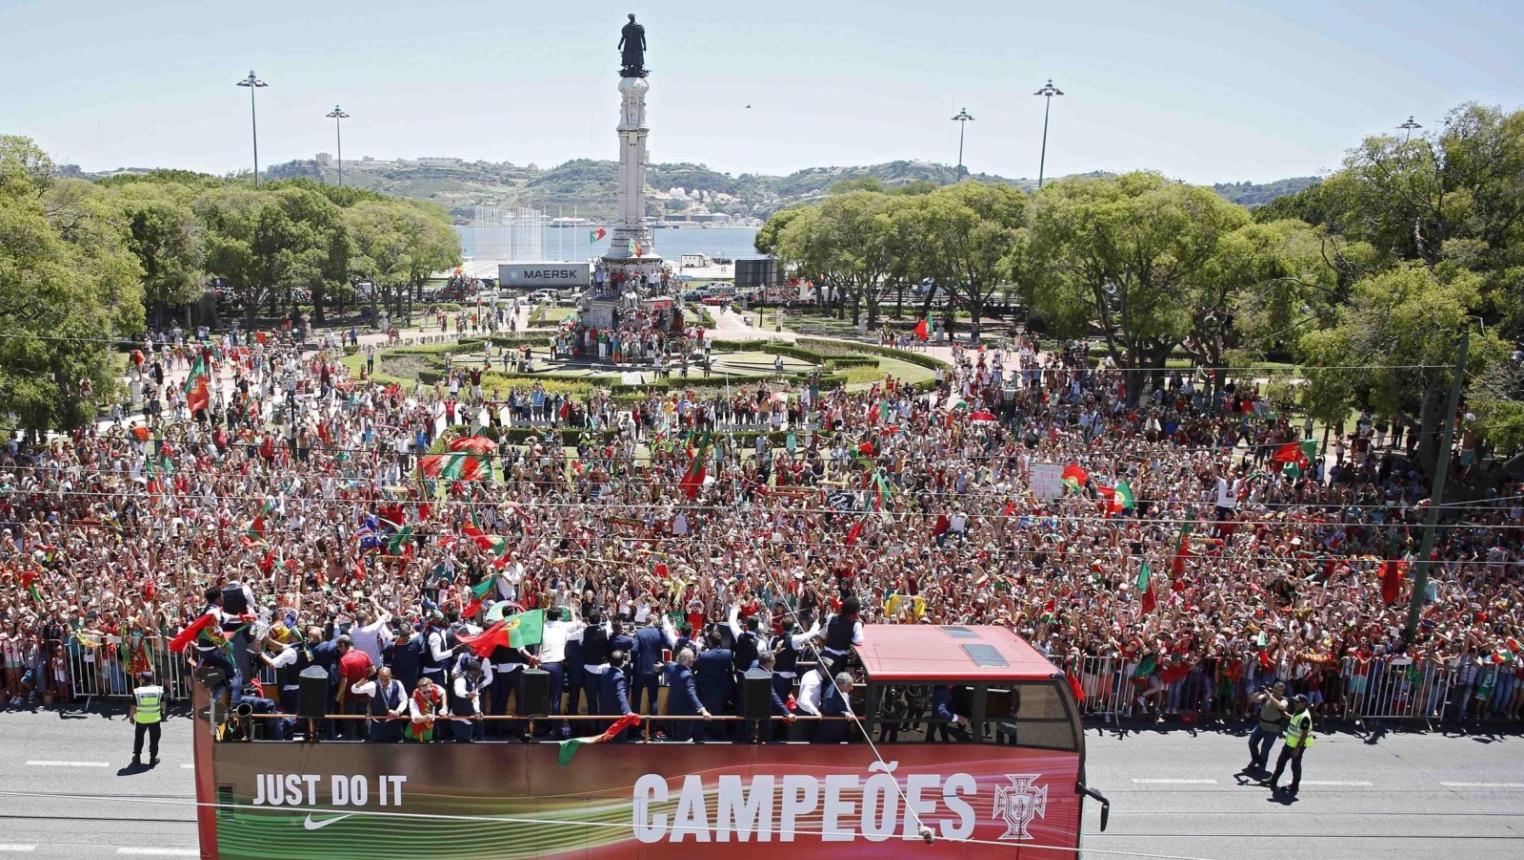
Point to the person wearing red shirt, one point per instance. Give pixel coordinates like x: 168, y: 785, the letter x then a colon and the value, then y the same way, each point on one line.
x: 355, y: 667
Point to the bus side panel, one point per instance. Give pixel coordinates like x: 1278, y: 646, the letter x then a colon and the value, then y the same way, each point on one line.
x: 507, y: 802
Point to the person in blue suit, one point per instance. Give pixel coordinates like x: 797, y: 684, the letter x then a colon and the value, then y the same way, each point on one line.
x: 944, y: 720
x: 646, y: 663
x: 716, y: 681
x: 614, y: 692
x: 834, y: 704
x: 682, y: 697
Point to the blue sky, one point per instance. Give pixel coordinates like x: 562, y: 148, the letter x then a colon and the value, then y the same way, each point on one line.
x: 1202, y: 90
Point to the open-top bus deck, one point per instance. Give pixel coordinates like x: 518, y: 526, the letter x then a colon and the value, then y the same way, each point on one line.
x: 976, y: 750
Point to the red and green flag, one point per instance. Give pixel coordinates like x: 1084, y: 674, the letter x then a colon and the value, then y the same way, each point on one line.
x: 455, y: 466
x: 1146, y: 587
x: 1295, y: 455
x: 596, y: 235
x: 1118, y: 498
x: 922, y: 330
x: 1182, y: 550
x: 1074, y: 476
x: 693, y: 479
x: 401, y: 540
x: 515, y: 631
x: 479, y: 593
x: 569, y: 747
x: 29, y: 582
x: 196, y: 396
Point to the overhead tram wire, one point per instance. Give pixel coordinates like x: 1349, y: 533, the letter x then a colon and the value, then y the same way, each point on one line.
x: 560, y: 822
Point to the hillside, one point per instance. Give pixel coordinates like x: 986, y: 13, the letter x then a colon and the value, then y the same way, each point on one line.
x: 586, y: 186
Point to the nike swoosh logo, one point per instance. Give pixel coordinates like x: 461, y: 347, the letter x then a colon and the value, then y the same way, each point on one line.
x: 309, y: 824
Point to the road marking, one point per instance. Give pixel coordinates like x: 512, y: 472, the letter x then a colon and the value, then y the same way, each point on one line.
x: 53, y: 763
x: 1333, y: 782
x: 1175, y: 781
x: 161, y: 852
x: 187, y: 766
x: 17, y: 849
x: 1483, y: 784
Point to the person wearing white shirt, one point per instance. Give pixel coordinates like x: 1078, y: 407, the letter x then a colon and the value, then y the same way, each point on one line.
x: 471, y: 678
x: 369, y: 636
x: 552, y: 654
x: 388, y: 703
x: 809, y: 686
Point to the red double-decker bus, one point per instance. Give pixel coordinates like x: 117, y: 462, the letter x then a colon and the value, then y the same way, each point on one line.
x: 966, y: 742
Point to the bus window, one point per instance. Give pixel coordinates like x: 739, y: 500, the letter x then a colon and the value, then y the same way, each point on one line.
x: 1027, y: 714
x: 916, y: 713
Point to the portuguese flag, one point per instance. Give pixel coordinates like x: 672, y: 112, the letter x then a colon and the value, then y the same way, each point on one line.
x: 402, y: 538
x: 479, y: 593
x: 196, y: 396
x: 1074, y: 476
x: 1296, y: 455
x: 693, y: 479
x: 455, y: 466
x: 29, y: 582
x: 569, y: 747
x: 922, y: 330
x: 1182, y: 549
x: 1119, y: 498
x: 1146, y: 587
x: 515, y: 631
x: 596, y: 235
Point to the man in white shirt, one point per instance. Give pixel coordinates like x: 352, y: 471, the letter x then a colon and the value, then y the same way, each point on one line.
x: 809, y: 685
x: 388, y: 703
x: 552, y: 653
x: 369, y: 632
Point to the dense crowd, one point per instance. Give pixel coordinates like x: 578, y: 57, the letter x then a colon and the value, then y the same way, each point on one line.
x: 765, y: 513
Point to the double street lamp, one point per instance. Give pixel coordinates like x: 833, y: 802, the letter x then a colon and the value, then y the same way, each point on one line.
x: 1048, y: 91
x: 338, y: 116
x: 253, y: 83
x: 962, y: 119
x: 1408, y: 127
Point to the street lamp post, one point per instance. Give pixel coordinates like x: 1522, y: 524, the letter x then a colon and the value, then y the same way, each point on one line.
x: 253, y: 83
x: 1048, y: 91
x: 338, y: 116
x: 1408, y: 127
x: 962, y: 119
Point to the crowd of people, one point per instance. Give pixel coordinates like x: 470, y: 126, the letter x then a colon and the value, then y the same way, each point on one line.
x: 1180, y: 566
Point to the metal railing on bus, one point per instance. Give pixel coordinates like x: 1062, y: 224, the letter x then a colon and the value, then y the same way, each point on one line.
x: 1394, y: 687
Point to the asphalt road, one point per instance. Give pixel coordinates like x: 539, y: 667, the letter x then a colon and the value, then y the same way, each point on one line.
x: 1173, y: 794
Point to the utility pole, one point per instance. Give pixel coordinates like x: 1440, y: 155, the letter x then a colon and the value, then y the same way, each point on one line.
x: 1420, y: 578
x: 338, y: 116
x: 1048, y: 91
x: 962, y: 119
x: 253, y: 83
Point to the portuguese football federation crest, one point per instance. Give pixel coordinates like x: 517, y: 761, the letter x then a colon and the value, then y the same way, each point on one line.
x: 1019, y: 804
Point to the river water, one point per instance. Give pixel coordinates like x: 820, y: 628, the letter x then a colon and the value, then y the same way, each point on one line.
x: 573, y: 243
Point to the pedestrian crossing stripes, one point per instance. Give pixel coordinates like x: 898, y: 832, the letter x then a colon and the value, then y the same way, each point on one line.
x: 57, y: 763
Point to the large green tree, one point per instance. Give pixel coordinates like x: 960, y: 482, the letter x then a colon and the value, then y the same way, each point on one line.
x: 68, y: 288
x: 1127, y: 259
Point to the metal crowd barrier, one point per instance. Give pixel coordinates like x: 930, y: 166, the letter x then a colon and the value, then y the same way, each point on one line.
x: 1387, y: 688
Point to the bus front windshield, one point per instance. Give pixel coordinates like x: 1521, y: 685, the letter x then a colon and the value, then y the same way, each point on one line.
x: 1004, y: 713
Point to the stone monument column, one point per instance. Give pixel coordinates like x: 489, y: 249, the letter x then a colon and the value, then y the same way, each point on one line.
x: 630, y: 224
x: 630, y: 247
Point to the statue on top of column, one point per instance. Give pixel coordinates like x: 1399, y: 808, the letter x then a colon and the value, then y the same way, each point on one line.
x: 632, y: 47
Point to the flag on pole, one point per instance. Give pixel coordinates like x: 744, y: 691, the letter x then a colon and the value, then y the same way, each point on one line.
x: 455, y: 466
x: 1182, y: 550
x: 922, y: 331
x: 196, y: 396
x: 29, y: 582
x: 1146, y: 587
x: 693, y: 479
x: 596, y: 235
x: 1391, y: 579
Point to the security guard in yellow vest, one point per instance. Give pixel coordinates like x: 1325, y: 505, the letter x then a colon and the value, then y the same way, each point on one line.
x: 146, y: 713
x: 1298, y: 738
